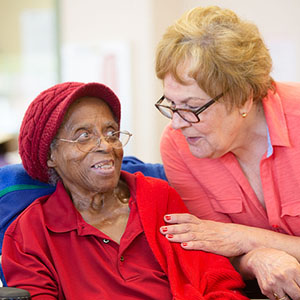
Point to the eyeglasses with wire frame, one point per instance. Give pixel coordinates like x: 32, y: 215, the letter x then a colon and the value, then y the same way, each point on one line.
x: 88, y: 142
x: 189, y: 115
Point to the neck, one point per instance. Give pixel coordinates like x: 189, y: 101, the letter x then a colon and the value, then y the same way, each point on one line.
x: 253, y: 140
x: 108, y: 211
x: 102, y: 202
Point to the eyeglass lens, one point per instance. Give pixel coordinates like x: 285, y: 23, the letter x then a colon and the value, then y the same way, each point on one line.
x: 167, y: 111
x: 117, y: 141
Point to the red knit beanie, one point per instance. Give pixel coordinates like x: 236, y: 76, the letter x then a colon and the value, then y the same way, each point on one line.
x: 45, y: 115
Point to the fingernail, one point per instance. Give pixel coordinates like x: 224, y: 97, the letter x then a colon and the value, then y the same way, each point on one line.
x: 164, y: 229
x: 168, y: 218
x: 170, y: 236
x: 184, y: 244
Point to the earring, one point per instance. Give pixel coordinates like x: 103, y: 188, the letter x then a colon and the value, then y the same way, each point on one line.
x: 244, y: 114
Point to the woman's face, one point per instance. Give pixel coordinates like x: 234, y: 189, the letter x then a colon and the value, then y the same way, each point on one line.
x: 96, y: 171
x: 218, y: 130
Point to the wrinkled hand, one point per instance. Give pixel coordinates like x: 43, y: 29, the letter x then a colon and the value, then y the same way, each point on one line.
x: 275, y: 271
x: 226, y: 239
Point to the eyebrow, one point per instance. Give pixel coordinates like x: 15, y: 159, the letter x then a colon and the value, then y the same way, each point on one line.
x: 187, y: 99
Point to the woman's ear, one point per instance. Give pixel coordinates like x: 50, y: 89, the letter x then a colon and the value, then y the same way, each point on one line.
x: 246, y: 107
x: 51, y: 161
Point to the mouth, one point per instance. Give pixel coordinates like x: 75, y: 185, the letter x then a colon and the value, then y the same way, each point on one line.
x: 193, y: 140
x: 104, y: 165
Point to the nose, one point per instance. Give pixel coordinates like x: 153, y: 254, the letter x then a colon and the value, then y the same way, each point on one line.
x: 179, y: 123
x: 102, y: 145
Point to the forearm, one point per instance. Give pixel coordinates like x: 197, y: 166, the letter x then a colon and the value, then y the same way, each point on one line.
x: 263, y: 238
x: 240, y: 263
x: 257, y: 238
x: 270, y: 257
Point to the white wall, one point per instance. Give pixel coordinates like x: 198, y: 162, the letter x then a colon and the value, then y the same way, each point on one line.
x: 83, y: 22
x: 142, y: 23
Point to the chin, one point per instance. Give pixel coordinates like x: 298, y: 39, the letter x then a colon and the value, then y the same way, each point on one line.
x: 200, y: 152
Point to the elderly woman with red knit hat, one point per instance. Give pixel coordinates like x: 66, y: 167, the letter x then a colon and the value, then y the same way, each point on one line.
x: 96, y: 236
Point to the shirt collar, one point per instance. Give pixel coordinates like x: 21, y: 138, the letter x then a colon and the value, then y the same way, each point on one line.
x: 275, y: 117
x: 59, y: 211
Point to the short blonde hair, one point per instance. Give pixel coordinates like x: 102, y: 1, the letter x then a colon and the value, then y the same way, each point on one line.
x: 222, y: 53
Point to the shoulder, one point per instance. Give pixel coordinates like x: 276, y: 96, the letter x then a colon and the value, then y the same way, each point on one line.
x: 288, y: 89
x: 155, y: 197
x: 289, y: 95
x: 149, y: 187
x: 142, y: 181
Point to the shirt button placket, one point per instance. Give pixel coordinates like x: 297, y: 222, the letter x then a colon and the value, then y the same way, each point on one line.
x: 121, y: 267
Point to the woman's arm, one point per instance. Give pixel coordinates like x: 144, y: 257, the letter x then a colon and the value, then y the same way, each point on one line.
x: 36, y: 279
x: 227, y: 239
x: 273, y: 258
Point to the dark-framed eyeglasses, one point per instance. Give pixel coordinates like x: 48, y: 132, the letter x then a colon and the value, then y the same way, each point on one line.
x: 189, y: 115
x: 87, y: 142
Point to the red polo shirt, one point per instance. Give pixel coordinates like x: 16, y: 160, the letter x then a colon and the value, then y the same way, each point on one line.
x: 70, y: 259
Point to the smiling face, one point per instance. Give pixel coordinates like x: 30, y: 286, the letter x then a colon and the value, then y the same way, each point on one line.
x: 97, y: 171
x: 218, y: 131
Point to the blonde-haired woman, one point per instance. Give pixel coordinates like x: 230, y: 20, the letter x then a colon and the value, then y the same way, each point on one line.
x: 232, y: 150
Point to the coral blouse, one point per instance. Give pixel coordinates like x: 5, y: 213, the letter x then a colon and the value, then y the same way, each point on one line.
x: 217, y: 189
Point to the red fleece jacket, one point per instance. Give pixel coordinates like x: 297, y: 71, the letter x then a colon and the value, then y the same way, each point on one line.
x: 192, y: 274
